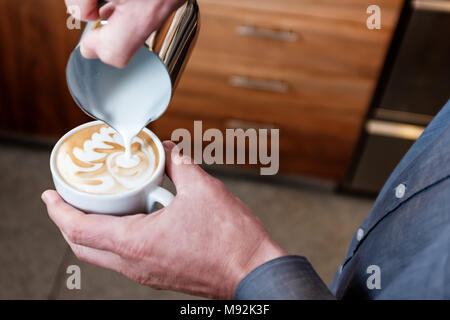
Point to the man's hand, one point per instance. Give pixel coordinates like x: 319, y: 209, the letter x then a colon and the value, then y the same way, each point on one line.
x: 130, y: 23
x: 204, y: 243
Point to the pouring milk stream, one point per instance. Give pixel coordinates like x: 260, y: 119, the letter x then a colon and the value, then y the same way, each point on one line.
x: 128, y: 99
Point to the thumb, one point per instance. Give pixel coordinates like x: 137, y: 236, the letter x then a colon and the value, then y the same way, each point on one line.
x: 114, y: 43
x: 85, y: 10
x: 181, y: 169
x: 130, y: 23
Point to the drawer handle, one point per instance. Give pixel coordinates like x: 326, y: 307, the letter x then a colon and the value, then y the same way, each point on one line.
x: 432, y: 5
x: 242, y: 124
x: 259, y: 84
x: 281, y: 35
x: 394, y: 129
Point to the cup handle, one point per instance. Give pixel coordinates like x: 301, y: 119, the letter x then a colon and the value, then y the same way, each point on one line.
x: 161, y: 196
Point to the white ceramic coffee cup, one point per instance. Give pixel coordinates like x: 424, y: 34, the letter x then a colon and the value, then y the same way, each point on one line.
x: 138, y: 200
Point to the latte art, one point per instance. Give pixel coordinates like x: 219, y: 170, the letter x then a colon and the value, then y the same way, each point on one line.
x: 93, y: 160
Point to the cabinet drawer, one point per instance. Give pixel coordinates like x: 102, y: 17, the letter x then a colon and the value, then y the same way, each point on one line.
x: 307, y: 42
x: 301, y: 151
x: 309, y: 103
x: 349, y: 10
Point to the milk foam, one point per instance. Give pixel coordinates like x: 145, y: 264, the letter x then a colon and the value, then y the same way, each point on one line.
x: 127, y: 162
x: 93, y: 160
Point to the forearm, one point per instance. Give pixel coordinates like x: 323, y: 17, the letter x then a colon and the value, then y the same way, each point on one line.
x: 284, y: 278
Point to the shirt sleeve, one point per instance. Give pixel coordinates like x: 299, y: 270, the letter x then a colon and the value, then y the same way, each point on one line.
x: 284, y: 278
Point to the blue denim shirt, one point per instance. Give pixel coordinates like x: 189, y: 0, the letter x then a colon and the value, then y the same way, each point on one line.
x: 402, y: 249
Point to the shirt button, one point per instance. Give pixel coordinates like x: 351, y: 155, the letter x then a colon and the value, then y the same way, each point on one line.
x: 359, y: 234
x: 400, y: 191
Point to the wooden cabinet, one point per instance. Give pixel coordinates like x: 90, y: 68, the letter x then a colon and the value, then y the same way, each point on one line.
x: 306, y: 67
x: 34, y: 47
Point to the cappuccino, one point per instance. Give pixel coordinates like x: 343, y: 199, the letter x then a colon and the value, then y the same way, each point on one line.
x: 93, y: 160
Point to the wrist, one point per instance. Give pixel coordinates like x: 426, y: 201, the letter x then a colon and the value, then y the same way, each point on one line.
x: 267, y: 250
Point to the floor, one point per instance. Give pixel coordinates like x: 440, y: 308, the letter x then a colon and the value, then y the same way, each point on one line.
x: 306, y: 217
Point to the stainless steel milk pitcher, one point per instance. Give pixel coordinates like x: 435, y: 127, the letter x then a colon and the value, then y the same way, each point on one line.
x: 148, y: 80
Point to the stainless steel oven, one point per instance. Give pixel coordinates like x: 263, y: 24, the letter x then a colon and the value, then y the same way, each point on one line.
x: 413, y: 86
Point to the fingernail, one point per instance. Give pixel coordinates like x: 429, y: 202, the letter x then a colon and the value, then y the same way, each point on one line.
x: 44, y: 196
x: 83, y: 51
x: 165, y: 147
